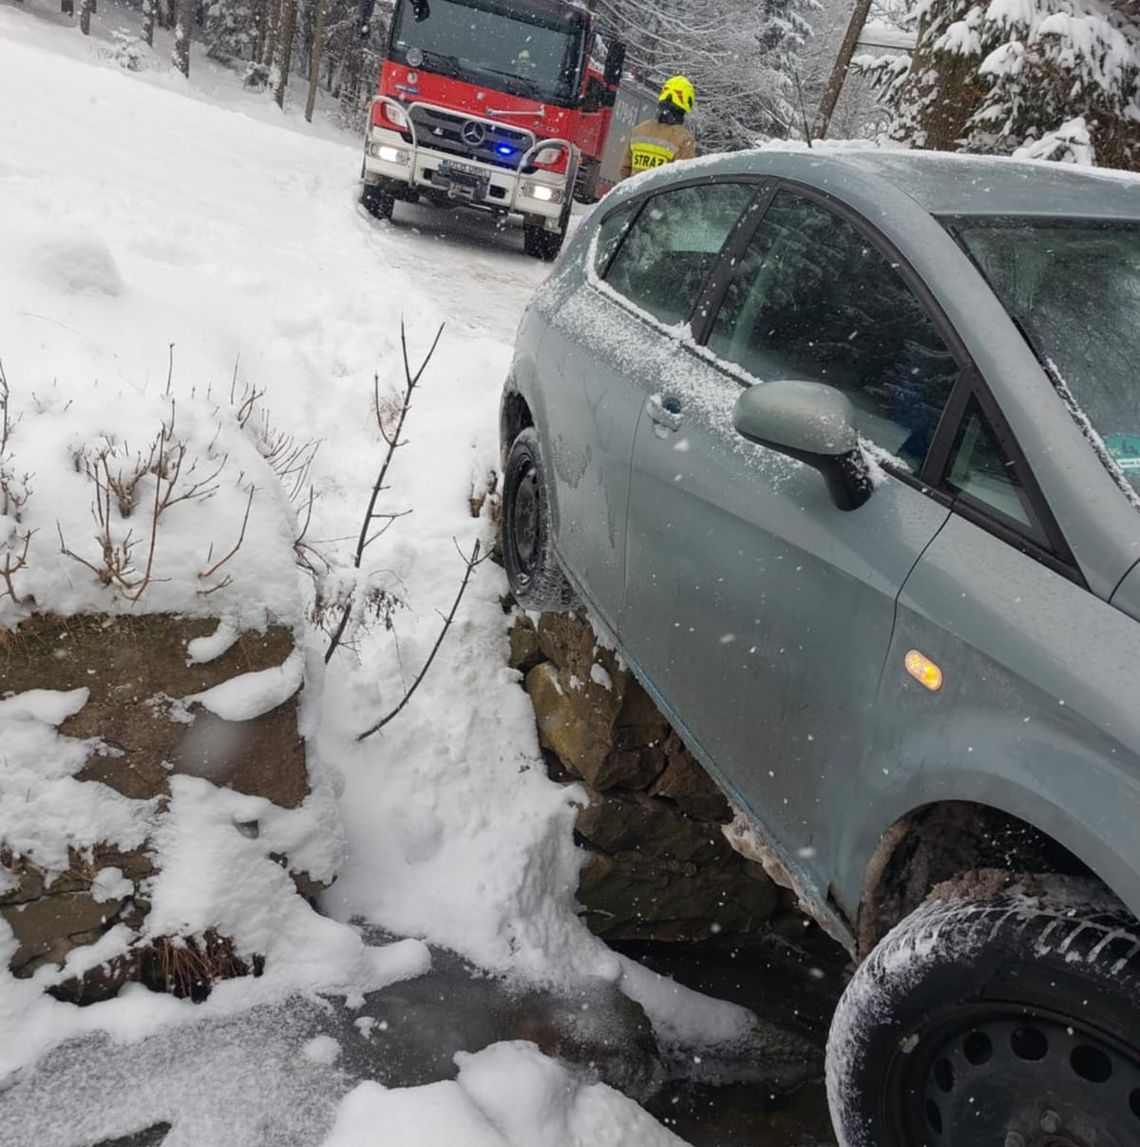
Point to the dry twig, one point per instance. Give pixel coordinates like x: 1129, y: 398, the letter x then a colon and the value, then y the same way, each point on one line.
x: 471, y: 562
x: 393, y: 442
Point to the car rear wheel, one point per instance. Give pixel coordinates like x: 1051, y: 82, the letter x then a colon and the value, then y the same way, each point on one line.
x: 1010, y: 1019
x: 536, y: 581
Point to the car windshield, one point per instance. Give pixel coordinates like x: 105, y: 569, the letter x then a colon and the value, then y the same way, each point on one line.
x: 1074, y: 289
x: 494, y: 44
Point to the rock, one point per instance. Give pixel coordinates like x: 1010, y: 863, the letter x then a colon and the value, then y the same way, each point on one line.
x: 689, y: 787
x: 48, y: 928
x: 653, y: 828
x: 525, y: 652
x: 631, y: 896
x: 134, y: 666
x: 29, y: 881
x: 568, y: 640
x: 627, y: 769
x: 575, y: 718
x: 640, y: 723
x: 138, y: 676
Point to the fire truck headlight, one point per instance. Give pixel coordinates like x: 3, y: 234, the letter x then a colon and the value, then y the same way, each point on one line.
x: 542, y: 193
x: 390, y: 154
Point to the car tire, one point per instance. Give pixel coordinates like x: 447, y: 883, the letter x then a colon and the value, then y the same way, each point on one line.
x: 535, y: 578
x: 377, y: 201
x: 1008, y: 1018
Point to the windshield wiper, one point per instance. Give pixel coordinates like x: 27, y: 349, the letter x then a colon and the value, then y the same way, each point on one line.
x: 528, y: 86
x: 440, y: 62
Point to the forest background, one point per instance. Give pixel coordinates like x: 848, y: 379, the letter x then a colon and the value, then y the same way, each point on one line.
x: 1052, y: 79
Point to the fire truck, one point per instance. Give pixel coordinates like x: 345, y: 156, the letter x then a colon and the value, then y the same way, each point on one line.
x: 498, y: 105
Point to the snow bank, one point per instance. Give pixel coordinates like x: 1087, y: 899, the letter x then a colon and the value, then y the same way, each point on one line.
x: 508, y: 1095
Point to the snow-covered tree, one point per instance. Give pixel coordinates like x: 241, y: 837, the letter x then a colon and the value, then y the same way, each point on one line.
x: 742, y: 57
x: 1056, y: 79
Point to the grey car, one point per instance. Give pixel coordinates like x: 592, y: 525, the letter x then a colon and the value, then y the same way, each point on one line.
x: 842, y: 449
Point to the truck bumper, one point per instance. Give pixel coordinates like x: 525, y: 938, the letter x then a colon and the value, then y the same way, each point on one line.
x: 388, y: 157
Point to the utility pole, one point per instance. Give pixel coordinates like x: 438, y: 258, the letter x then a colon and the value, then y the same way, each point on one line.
x: 830, y: 95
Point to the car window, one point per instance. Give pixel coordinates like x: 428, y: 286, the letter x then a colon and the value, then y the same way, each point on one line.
x: 813, y: 299
x: 667, y: 253
x: 610, y: 233
x: 982, y: 471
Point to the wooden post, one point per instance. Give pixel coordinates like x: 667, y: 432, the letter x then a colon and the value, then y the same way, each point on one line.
x: 830, y: 95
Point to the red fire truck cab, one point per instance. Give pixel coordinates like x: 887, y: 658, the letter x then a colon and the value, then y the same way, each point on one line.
x: 491, y: 104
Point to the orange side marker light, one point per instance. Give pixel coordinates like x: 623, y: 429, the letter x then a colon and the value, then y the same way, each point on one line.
x: 923, y: 670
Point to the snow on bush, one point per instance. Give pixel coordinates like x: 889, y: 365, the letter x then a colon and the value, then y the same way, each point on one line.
x: 116, y: 501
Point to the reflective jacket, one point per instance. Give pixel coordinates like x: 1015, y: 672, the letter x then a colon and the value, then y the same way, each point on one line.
x: 652, y: 144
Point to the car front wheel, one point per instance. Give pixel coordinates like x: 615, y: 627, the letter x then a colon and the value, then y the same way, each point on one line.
x: 536, y: 581
x: 1010, y: 1018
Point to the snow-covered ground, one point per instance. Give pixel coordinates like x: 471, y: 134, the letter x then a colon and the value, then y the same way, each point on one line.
x: 153, y: 227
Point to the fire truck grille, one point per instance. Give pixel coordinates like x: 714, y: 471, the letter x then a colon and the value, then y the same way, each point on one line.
x: 469, y: 138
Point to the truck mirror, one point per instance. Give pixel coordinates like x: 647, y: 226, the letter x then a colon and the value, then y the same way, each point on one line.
x: 615, y: 63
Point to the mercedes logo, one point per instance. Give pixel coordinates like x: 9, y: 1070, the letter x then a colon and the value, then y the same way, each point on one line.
x: 473, y: 133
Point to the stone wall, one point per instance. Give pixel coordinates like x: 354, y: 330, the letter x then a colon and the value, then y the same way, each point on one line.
x: 136, y: 670
x: 659, y: 866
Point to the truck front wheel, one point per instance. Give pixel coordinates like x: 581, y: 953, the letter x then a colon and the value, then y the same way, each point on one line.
x: 377, y: 200
x: 542, y: 244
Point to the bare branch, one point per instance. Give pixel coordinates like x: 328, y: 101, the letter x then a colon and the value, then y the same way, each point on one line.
x: 393, y: 443
x: 237, y: 545
x: 471, y: 562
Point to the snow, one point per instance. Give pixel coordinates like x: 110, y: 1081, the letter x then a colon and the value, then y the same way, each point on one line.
x: 508, y: 1095
x: 250, y: 695
x: 183, y: 266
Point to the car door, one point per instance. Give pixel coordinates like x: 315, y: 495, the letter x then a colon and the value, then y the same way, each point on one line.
x: 601, y: 345
x: 1027, y: 701
x: 760, y: 611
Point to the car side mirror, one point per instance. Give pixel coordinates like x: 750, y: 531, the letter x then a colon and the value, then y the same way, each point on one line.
x: 813, y: 423
x: 615, y: 63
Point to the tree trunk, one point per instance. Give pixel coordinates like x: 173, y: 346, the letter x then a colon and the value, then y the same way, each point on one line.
x: 830, y: 95
x: 285, y: 45
x: 85, y: 11
x: 261, y: 29
x: 148, y: 21
x: 315, y: 58
x: 183, y: 22
x: 272, y: 23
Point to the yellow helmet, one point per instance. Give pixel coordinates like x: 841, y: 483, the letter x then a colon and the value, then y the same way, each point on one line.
x: 679, y: 92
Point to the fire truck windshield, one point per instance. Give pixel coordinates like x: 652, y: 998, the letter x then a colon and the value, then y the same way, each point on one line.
x: 501, y: 45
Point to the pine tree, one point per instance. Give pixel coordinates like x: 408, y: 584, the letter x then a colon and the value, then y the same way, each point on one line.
x: 1053, y: 79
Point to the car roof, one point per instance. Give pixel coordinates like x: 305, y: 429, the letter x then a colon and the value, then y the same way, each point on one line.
x: 946, y: 183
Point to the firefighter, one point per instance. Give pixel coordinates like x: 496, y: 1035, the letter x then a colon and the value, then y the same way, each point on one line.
x: 664, y: 139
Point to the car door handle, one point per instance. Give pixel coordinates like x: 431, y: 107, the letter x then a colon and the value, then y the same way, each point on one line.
x: 665, y: 412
